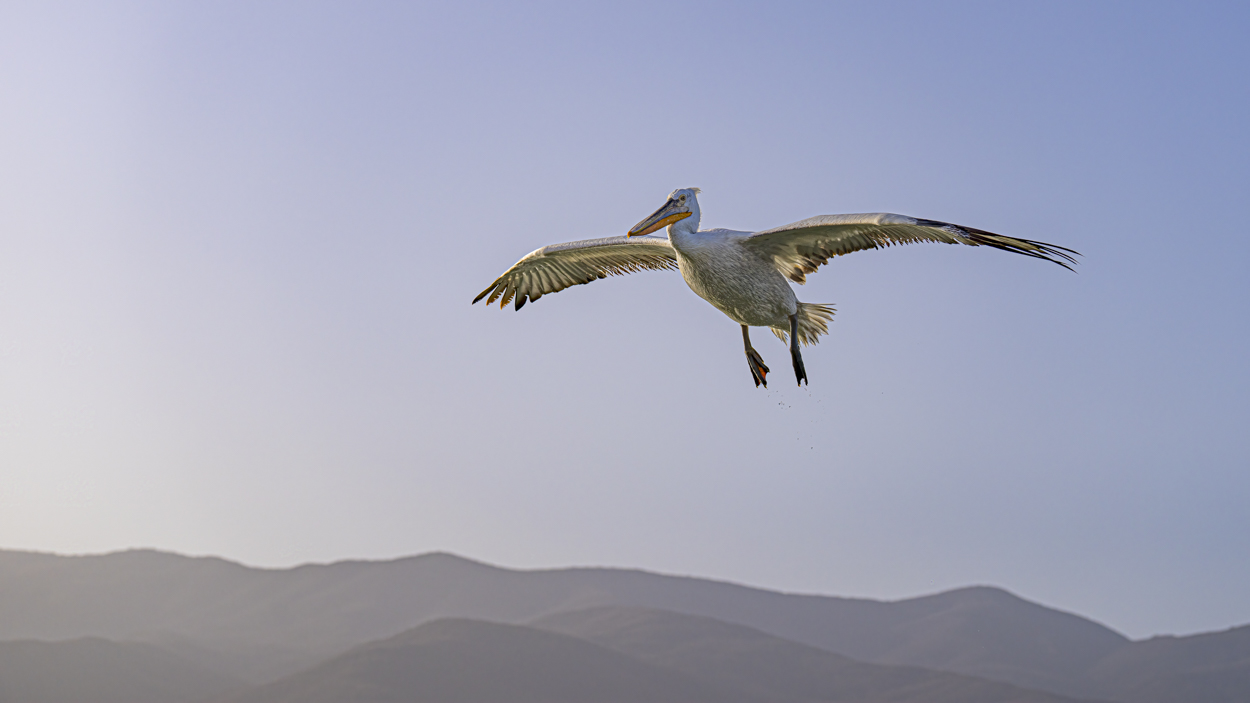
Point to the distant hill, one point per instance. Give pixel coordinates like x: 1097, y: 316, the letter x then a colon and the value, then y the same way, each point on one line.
x: 767, y: 667
x: 468, y: 661
x: 981, y: 631
x: 1213, y: 668
x: 276, y: 621
x: 259, y: 625
x: 93, y: 670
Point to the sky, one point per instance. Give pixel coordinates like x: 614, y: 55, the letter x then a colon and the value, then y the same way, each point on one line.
x: 239, y: 241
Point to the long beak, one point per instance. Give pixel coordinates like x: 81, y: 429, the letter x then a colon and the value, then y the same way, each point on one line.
x: 668, y: 214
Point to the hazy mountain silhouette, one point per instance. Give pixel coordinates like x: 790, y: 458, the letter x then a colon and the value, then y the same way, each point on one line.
x: 469, y: 661
x: 93, y: 670
x: 285, y: 619
x: 262, y: 624
x: 1213, y: 668
x: 989, y: 625
x: 767, y: 667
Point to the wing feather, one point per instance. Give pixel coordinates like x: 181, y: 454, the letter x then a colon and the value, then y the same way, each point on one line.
x: 558, y: 266
x: 802, y: 247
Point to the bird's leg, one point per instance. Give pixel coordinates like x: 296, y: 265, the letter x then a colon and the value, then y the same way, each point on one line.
x: 800, y: 373
x: 759, y: 371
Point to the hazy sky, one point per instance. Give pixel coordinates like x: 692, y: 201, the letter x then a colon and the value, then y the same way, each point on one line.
x: 238, y: 243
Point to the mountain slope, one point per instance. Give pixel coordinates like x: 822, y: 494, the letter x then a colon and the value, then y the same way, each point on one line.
x: 289, y: 618
x: 93, y: 670
x: 987, y: 624
x: 774, y: 669
x: 469, y: 661
x: 1213, y: 667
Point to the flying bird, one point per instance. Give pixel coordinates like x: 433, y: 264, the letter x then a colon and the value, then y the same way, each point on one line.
x: 745, y: 275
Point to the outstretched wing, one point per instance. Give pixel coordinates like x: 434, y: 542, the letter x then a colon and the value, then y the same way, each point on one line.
x: 556, y: 267
x: 800, y: 248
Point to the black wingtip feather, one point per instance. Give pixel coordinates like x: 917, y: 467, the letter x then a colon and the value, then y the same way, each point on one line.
x: 1053, y: 253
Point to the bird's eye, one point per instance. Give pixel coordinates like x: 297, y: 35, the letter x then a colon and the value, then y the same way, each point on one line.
x: 683, y: 198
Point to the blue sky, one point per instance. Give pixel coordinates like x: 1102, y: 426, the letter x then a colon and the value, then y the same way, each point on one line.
x: 238, y: 243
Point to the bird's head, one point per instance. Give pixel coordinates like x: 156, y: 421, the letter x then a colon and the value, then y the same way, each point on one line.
x: 682, y: 204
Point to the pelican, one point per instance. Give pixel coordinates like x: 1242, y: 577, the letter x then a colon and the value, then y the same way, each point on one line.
x: 745, y: 275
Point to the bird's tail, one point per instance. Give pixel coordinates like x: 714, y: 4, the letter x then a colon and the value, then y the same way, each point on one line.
x: 813, y: 322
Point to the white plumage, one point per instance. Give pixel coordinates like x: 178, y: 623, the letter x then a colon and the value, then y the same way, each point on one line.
x: 745, y: 275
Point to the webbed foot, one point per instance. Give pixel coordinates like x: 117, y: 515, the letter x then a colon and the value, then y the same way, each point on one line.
x: 759, y: 371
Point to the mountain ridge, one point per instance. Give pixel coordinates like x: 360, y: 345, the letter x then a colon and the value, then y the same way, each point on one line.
x: 457, y: 558
x: 262, y: 624
x: 774, y: 668
x: 464, y: 660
